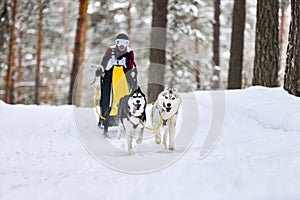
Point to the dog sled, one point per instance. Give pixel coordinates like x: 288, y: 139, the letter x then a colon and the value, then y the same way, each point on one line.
x: 114, y: 84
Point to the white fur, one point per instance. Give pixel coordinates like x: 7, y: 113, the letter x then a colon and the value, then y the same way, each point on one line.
x: 166, y: 106
x: 129, y: 132
x: 129, y: 124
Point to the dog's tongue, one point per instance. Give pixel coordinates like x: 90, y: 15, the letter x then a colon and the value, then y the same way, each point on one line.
x: 134, y: 109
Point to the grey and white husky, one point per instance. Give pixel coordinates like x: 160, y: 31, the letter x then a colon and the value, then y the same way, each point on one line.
x: 166, y: 107
x: 131, y: 114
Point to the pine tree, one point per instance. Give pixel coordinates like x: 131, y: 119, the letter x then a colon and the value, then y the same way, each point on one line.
x: 157, y: 51
x: 79, y: 49
x: 237, y: 45
x: 266, y: 60
x: 39, y: 52
x: 216, y: 46
x: 292, y: 72
x: 11, y: 56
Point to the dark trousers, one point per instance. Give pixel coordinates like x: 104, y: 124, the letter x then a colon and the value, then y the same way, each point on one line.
x: 106, y: 84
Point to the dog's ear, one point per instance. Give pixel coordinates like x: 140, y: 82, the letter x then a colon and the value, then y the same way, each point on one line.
x: 175, y: 89
x: 144, y: 116
x: 144, y: 113
x: 143, y: 94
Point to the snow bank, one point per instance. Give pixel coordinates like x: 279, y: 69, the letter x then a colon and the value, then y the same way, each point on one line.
x: 272, y: 108
x: 256, y: 157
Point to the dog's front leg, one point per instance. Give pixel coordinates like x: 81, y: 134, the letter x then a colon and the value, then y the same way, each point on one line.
x: 171, y: 137
x: 157, y: 137
x: 155, y: 116
x: 166, y: 130
x: 120, y: 130
x: 172, y: 126
x: 140, y: 138
x: 129, y: 141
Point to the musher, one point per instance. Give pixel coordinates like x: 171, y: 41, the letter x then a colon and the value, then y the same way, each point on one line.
x: 118, y: 76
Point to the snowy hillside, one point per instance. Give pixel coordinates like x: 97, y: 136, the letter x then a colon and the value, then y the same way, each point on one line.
x: 58, y: 152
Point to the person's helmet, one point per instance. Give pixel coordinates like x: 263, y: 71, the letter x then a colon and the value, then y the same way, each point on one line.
x: 122, y: 39
x: 122, y: 36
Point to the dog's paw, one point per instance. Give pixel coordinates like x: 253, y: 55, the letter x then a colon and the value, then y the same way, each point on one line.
x: 165, y: 143
x: 130, y: 152
x: 139, y: 140
x: 171, y: 148
x: 157, y: 140
x: 119, y: 135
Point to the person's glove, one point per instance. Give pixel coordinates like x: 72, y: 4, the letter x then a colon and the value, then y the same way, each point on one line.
x: 99, y: 71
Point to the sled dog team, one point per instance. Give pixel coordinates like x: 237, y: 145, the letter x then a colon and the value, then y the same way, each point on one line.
x: 118, y: 74
x: 132, y: 116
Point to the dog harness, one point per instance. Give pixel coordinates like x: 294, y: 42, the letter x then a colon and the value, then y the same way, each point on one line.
x: 138, y: 117
x: 128, y: 118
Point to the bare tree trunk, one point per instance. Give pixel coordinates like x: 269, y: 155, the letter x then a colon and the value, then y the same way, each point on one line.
x: 79, y: 49
x: 20, y: 70
x: 46, y: 95
x: 216, y: 45
x: 282, y: 31
x: 66, y: 34
x: 292, y: 71
x: 11, y: 55
x: 80, y: 73
x: 237, y: 45
x: 157, y: 52
x: 79, y: 85
x: 266, y: 59
x: 197, y: 66
x: 129, y: 20
x: 4, y: 24
x: 53, y: 90
x: 38, y: 57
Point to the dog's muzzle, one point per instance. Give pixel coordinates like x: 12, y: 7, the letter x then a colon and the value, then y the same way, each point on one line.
x: 167, y: 107
x: 136, y: 107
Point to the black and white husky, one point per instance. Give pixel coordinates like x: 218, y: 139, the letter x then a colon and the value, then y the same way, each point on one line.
x: 166, y: 108
x: 131, y: 114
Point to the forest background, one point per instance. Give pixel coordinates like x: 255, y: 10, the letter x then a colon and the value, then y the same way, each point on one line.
x: 47, y: 47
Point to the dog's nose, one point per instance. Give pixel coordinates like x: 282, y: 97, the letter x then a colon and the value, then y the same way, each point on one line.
x: 138, y: 101
x: 168, y: 104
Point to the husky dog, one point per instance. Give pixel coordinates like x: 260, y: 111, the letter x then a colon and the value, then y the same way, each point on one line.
x: 131, y: 114
x: 166, y: 108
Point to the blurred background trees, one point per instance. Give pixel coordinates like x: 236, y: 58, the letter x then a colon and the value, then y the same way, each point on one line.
x: 205, y: 43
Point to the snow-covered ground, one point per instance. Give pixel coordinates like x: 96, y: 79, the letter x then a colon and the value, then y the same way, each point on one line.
x: 50, y: 153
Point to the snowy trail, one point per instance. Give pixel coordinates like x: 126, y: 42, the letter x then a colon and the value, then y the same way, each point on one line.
x: 148, y: 156
x: 43, y: 153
